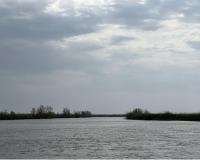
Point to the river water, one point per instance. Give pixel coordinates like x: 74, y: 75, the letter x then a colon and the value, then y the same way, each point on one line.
x: 99, y: 138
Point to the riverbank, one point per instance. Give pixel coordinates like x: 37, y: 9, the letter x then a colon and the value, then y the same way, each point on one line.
x: 24, y: 116
x: 46, y: 112
x: 139, y: 114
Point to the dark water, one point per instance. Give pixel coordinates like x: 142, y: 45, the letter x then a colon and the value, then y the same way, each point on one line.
x: 99, y: 138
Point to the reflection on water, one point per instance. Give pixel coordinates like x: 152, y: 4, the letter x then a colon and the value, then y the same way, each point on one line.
x: 99, y: 138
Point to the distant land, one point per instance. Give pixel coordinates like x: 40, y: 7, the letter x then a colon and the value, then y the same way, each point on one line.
x: 139, y: 114
x: 46, y: 112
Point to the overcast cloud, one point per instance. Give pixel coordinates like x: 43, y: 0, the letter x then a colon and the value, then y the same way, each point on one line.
x: 107, y: 56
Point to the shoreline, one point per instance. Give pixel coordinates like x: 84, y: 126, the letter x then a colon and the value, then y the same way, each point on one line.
x: 139, y: 114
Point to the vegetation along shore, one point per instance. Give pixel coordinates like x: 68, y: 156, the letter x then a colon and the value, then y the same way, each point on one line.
x: 46, y: 112
x: 139, y: 114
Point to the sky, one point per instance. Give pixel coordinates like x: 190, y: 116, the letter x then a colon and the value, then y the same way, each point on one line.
x: 106, y: 56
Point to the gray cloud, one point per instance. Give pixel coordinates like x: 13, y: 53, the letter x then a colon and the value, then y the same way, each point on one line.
x: 135, y: 15
x: 120, y: 39
x: 194, y: 44
x: 105, y: 60
x: 29, y: 21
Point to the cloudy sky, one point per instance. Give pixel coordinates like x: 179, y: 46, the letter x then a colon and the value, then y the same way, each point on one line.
x: 107, y: 56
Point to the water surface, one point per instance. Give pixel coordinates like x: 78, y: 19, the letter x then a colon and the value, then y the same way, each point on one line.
x: 99, y: 138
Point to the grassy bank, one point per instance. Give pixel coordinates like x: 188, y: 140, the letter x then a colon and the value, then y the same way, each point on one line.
x: 108, y: 115
x: 44, y: 112
x: 139, y: 114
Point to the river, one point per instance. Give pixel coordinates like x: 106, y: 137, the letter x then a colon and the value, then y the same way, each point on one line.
x: 99, y: 138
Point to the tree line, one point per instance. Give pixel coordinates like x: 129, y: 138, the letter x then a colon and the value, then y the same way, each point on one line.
x: 139, y: 114
x: 44, y: 112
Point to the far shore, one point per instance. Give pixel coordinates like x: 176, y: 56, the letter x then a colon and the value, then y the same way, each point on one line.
x: 139, y: 114
x: 46, y: 112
